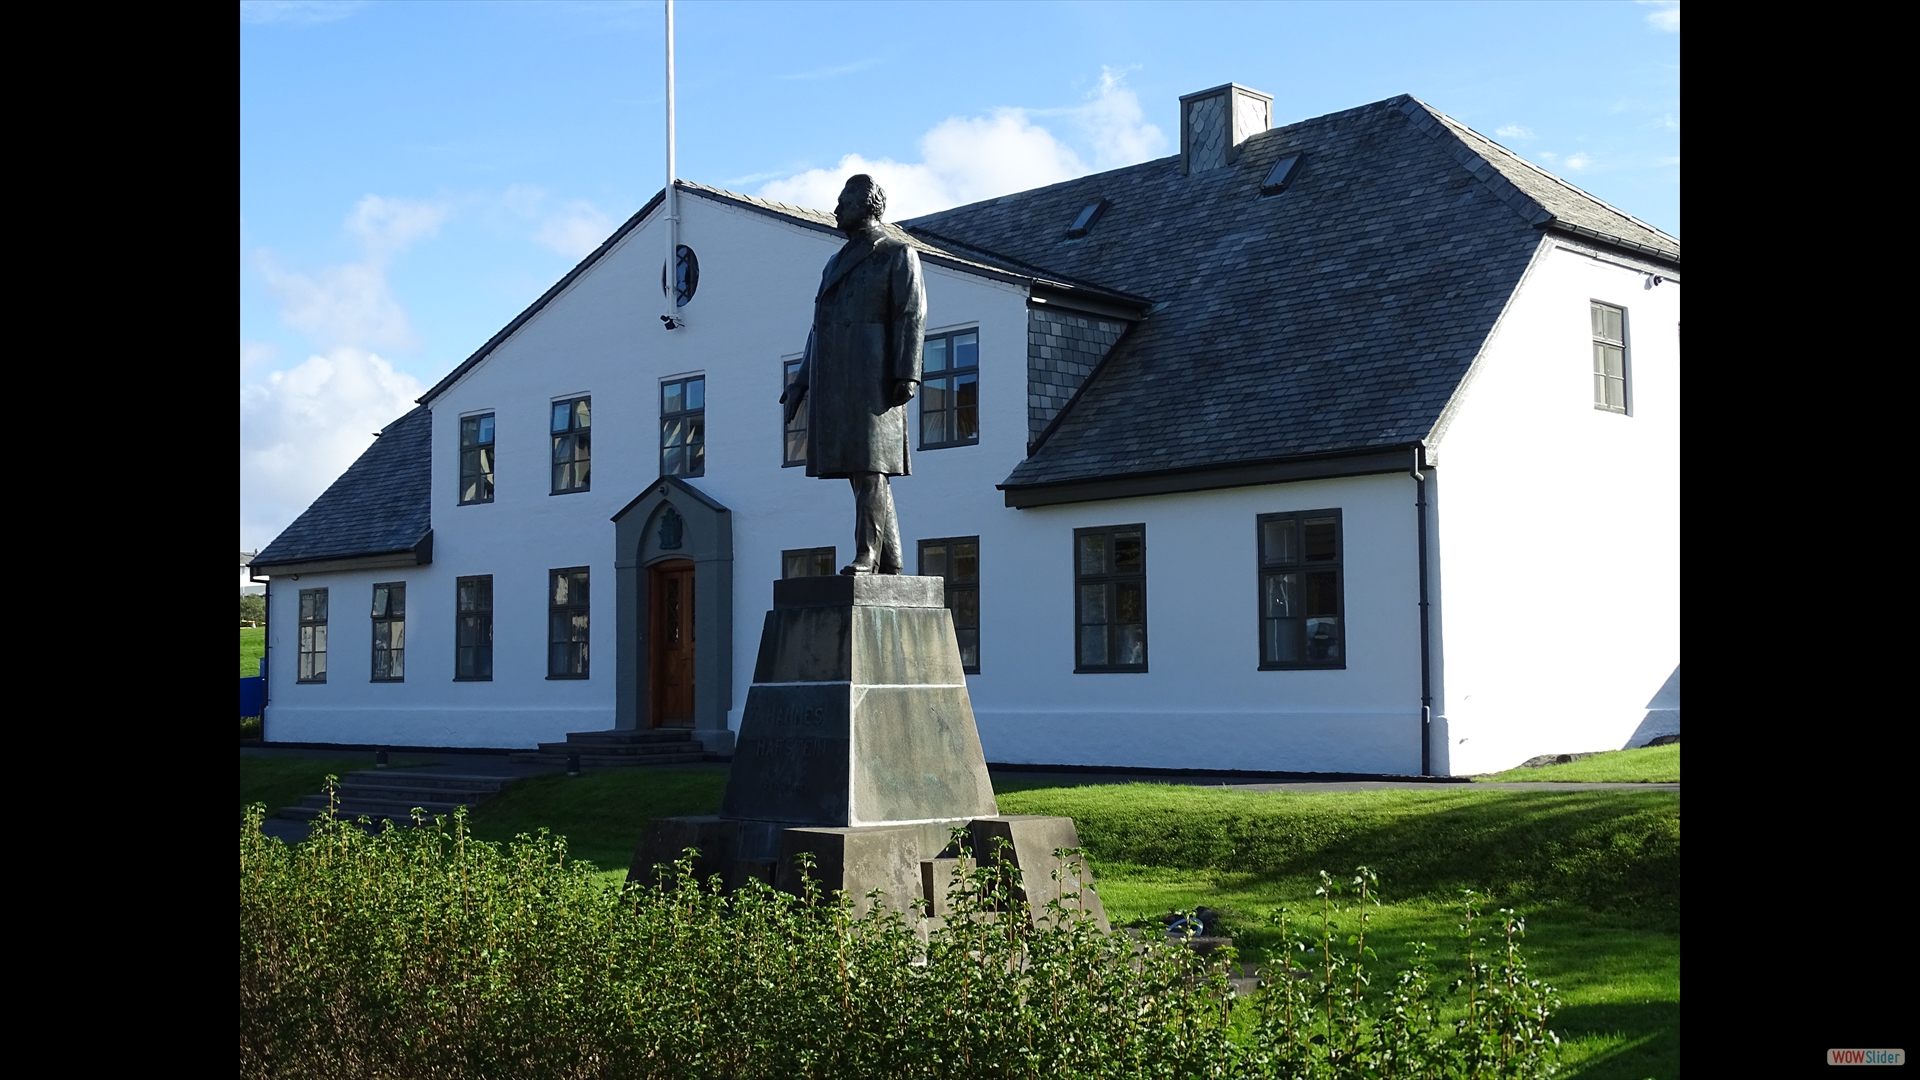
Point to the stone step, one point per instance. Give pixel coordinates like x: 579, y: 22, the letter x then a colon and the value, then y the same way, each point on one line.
x: 648, y: 749
x: 401, y: 811
x: 629, y: 736
x: 411, y: 780
x: 612, y: 761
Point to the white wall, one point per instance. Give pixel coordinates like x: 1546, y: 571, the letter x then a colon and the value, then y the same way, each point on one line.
x: 1558, y: 524
x: 1203, y: 703
x: 603, y: 337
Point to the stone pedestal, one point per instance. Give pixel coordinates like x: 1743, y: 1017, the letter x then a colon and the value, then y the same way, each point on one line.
x: 858, y: 746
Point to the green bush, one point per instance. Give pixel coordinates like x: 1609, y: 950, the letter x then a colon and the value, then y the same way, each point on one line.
x: 421, y: 952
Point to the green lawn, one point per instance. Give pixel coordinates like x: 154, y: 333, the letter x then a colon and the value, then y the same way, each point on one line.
x: 1647, y: 765
x: 601, y: 813
x: 253, y: 646
x: 1596, y: 872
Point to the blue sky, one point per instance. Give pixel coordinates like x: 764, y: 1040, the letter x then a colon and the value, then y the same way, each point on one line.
x: 413, y: 174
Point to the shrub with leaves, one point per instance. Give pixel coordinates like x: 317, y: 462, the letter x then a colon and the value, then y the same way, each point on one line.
x: 421, y: 952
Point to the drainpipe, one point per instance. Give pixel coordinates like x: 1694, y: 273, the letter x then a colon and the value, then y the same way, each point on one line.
x: 1426, y: 652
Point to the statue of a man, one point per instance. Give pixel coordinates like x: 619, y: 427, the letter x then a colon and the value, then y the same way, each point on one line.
x: 862, y: 366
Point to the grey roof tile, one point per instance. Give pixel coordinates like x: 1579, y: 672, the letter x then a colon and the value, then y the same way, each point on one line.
x: 380, y: 505
x: 1338, y: 316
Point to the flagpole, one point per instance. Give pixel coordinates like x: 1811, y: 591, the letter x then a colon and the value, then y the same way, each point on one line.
x: 671, y: 319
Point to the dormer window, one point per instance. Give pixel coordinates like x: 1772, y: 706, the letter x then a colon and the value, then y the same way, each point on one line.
x: 1280, y: 175
x: 1083, y: 223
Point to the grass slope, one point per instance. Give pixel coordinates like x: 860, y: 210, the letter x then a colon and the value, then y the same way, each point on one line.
x: 1598, y: 872
x: 1608, y: 850
x: 1647, y: 765
x: 601, y: 814
x: 253, y: 646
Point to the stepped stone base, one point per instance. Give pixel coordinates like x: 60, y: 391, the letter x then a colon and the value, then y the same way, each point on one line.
x: 858, y: 748
x: 904, y: 862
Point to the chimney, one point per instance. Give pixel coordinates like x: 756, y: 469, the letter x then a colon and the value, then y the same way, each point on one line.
x: 1213, y: 124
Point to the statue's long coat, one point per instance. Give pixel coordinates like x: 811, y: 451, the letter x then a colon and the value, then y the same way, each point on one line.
x: 868, y: 321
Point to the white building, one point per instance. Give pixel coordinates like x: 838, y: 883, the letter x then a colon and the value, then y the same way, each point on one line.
x: 1211, y: 398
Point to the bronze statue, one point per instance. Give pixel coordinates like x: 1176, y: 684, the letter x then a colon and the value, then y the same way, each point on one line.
x: 862, y: 366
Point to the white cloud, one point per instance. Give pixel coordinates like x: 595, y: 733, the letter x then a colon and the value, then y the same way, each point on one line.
x: 1665, y: 16
x: 966, y: 159
x: 390, y: 226
x: 576, y: 230
x: 352, y: 303
x: 301, y: 428
x: 1513, y: 131
x: 834, y: 72
x: 1547, y: 155
x: 1114, y: 123
x: 255, y: 353
x: 297, y: 11
x: 1578, y: 161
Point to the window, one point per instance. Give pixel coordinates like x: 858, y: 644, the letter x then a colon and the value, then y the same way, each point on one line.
x: 571, y: 444
x: 473, y: 629
x: 950, y: 390
x: 567, y: 623
x: 683, y: 427
x: 476, y: 459
x: 313, y: 635
x: 1110, y: 598
x: 1280, y: 175
x: 1300, y: 590
x: 390, y: 632
x: 957, y: 558
x: 807, y: 562
x: 796, y: 434
x: 1083, y: 222
x: 1609, y: 358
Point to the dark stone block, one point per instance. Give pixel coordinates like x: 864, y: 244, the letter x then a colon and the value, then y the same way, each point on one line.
x: 666, y: 838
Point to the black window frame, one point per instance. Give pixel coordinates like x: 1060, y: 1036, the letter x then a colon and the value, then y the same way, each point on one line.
x: 577, y: 600
x: 386, y: 614
x: 473, y: 622
x: 1111, y: 580
x: 1302, y: 564
x: 966, y: 618
x: 823, y: 566
x: 797, y: 427
x: 951, y: 374
x: 1601, y: 343
x: 312, y: 628
x: 478, y: 458
x: 577, y: 437
x: 693, y: 435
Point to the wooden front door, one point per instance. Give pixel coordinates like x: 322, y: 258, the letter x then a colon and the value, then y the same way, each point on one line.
x: 670, y: 644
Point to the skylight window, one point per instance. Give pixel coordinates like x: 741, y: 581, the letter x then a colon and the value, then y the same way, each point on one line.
x: 1280, y: 175
x: 1089, y: 214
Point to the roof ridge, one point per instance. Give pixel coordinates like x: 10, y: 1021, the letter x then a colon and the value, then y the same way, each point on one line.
x: 1459, y: 129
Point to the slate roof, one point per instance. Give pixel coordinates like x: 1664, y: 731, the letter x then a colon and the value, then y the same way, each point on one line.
x: 1337, y: 317
x: 379, y: 506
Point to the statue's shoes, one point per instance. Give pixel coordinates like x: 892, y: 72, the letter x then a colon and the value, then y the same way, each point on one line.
x: 851, y: 569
